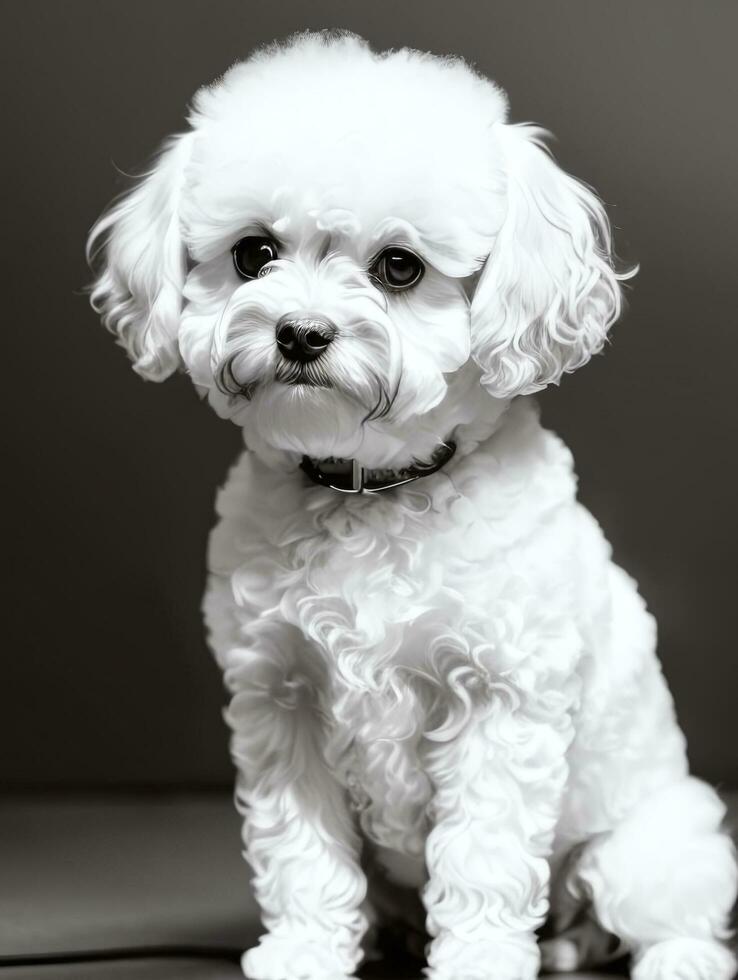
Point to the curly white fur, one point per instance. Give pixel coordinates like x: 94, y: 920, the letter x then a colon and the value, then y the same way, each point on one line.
x: 451, y: 681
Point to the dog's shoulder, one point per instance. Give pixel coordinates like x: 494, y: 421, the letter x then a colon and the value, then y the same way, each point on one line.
x: 254, y: 509
x: 520, y: 473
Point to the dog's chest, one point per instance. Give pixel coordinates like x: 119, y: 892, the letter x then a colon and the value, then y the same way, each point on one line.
x: 413, y: 606
x: 413, y: 630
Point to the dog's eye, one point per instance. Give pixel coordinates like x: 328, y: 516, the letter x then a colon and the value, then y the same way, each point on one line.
x: 251, y: 254
x: 398, y: 268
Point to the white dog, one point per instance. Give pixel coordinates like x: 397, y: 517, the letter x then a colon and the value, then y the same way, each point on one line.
x: 438, y: 676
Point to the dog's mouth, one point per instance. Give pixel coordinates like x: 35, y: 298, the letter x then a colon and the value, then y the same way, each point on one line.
x: 312, y: 375
x: 301, y: 378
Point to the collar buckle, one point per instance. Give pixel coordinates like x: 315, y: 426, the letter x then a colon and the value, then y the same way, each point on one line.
x: 345, y: 476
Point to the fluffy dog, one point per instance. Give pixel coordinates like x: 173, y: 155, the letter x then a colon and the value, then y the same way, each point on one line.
x: 438, y: 676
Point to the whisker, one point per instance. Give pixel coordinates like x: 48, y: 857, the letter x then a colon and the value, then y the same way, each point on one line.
x: 228, y: 384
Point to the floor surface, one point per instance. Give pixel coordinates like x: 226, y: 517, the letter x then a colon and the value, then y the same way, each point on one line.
x: 145, y: 887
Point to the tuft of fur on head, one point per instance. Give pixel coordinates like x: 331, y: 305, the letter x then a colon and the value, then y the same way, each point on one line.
x: 336, y: 151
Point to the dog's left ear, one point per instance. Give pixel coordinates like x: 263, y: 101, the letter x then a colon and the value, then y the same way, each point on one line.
x: 548, y: 292
x: 138, y: 247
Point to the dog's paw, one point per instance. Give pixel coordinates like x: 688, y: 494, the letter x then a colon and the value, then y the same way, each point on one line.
x: 583, y: 945
x: 560, y: 955
x: 282, y: 958
x: 685, y: 959
x: 451, y: 958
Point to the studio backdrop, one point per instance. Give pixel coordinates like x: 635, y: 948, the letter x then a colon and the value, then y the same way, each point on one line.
x: 110, y: 481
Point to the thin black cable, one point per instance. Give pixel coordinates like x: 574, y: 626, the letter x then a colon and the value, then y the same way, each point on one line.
x: 123, y: 953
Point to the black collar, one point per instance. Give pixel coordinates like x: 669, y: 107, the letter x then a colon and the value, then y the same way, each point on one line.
x: 349, y: 476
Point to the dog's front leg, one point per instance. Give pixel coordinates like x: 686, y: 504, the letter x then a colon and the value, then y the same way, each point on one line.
x: 498, y: 788
x: 298, y: 833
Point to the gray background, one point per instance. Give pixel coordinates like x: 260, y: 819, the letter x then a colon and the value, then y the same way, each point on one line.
x: 105, y: 676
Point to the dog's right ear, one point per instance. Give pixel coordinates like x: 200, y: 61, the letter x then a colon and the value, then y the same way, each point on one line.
x: 140, y: 257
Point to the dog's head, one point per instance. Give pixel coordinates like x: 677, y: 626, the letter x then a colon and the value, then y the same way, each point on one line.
x: 344, y: 242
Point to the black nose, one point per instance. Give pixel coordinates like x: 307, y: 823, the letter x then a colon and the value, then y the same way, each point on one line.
x: 304, y: 336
